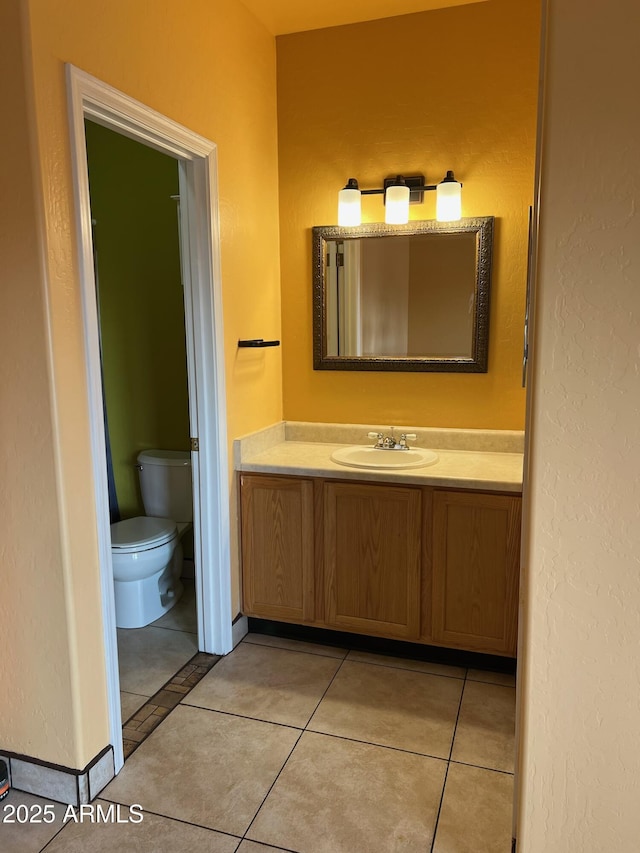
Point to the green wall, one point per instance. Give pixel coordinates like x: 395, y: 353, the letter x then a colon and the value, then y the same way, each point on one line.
x: 141, y: 302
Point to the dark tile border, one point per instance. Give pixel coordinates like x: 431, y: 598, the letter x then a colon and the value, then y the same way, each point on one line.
x: 397, y: 648
x: 147, y: 718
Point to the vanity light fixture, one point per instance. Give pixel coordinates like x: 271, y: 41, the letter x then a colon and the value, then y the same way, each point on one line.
x: 398, y: 193
x: 396, y: 202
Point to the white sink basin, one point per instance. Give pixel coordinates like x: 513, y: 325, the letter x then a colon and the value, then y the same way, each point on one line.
x: 372, y: 457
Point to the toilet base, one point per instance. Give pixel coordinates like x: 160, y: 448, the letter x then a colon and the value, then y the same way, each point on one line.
x: 140, y: 602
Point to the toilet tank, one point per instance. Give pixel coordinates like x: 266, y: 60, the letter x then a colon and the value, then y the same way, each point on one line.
x: 165, y: 482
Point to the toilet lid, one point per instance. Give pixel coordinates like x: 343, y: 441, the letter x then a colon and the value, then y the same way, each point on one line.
x: 136, y: 534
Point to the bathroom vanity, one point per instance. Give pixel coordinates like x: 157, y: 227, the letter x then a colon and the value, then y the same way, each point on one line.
x: 427, y: 555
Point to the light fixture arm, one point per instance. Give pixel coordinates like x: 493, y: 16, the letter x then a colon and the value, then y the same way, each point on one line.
x: 414, y: 182
x: 447, y: 205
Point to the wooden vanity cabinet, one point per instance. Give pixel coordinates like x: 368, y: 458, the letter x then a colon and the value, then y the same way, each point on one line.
x: 277, y: 547
x: 405, y: 562
x: 372, y: 559
x: 475, y: 571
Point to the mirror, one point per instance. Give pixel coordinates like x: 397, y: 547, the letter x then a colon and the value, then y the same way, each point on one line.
x: 402, y: 297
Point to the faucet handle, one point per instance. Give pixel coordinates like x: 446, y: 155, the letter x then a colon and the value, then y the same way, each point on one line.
x: 403, y: 439
x: 377, y: 436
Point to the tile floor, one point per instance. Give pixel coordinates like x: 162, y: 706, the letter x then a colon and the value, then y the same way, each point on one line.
x: 291, y: 746
x: 149, y: 657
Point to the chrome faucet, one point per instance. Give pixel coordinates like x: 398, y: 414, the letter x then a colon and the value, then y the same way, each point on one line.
x: 388, y: 442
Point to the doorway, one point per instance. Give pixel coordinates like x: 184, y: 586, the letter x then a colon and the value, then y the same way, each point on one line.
x: 91, y: 99
x: 141, y: 320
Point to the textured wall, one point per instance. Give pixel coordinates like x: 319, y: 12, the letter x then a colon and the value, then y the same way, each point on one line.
x: 211, y: 68
x: 448, y: 89
x: 581, y: 668
x: 36, y: 667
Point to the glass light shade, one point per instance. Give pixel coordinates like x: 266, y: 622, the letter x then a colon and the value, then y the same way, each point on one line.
x: 448, y: 200
x: 349, y: 207
x: 396, y: 205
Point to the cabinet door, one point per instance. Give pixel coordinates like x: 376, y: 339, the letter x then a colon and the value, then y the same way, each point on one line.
x: 476, y: 558
x: 277, y: 547
x: 372, y: 559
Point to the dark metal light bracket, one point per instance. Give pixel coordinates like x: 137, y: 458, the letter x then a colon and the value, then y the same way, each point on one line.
x: 416, y: 187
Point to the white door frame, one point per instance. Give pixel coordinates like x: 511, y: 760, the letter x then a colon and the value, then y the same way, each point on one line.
x: 91, y: 98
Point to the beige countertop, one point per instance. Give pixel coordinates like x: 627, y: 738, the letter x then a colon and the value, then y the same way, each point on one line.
x: 463, y: 469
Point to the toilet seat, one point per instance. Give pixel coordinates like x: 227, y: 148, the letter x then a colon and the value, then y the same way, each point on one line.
x: 141, y: 534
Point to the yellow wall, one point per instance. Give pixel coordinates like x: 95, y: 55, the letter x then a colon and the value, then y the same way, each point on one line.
x: 36, y: 667
x: 449, y: 89
x: 210, y: 67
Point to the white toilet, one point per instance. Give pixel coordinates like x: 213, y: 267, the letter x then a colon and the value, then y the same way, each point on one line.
x: 146, y: 551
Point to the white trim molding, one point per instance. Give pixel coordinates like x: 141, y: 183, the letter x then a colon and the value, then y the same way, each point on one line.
x: 93, y: 99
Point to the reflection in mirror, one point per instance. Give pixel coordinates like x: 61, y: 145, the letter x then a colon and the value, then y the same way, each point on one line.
x: 411, y: 297
x: 389, y: 296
